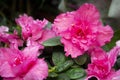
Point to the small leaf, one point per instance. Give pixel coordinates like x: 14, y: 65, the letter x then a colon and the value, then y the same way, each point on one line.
x: 111, y: 44
x: 58, y: 58
x: 64, y: 66
x: 19, y: 30
x: 52, y: 42
x: 53, y: 74
x: 81, y: 59
x: 83, y: 78
x: 76, y: 73
x: 63, y: 76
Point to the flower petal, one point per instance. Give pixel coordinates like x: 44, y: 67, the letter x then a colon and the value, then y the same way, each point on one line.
x: 63, y: 22
x: 38, y: 72
x: 5, y: 70
x: 104, y: 34
x: 86, y: 11
x: 70, y: 49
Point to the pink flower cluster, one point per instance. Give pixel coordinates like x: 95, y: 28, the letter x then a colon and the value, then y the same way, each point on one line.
x: 80, y: 31
x: 102, y: 63
x: 35, y: 31
x: 24, y: 64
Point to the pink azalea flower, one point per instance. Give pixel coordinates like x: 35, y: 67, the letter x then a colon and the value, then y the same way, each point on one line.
x: 12, y: 40
x: 102, y: 63
x: 34, y: 29
x: 22, y: 65
x: 81, y: 29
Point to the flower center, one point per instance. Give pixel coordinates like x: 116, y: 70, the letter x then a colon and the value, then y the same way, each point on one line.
x: 17, y: 61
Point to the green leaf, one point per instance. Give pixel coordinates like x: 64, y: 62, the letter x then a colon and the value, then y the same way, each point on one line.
x: 63, y: 76
x: 81, y: 59
x: 83, y: 78
x: 76, y: 73
x: 111, y: 44
x: 52, y: 42
x: 53, y: 74
x: 58, y: 58
x: 64, y: 66
x: 18, y: 28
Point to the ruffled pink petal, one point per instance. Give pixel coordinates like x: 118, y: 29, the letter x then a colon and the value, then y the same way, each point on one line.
x: 71, y: 49
x: 31, y: 51
x: 88, y: 12
x: 38, y: 72
x: 14, y: 78
x: 31, y: 42
x: 5, y: 70
x: 63, y: 22
x: 112, y: 55
x: 47, y: 34
x: 9, y: 55
x: 12, y: 40
x: 116, y: 75
x: 104, y: 34
x: 25, y: 21
x: 37, y: 28
x: 36, y: 33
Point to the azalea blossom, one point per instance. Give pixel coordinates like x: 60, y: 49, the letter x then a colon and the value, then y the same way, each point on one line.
x: 34, y: 30
x: 22, y: 64
x: 81, y: 30
x: 102, y: 63
x: 12, y: 40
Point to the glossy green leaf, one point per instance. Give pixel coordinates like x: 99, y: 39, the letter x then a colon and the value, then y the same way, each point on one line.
x: 58, y: 58
x: 83, y: 78
x: 81, y: 59
x: 53, y: 74
x: 63, y: 76
x: 111, y: 44
x: 52, y: 42
x: 76, y: 73
x: 64, y: 66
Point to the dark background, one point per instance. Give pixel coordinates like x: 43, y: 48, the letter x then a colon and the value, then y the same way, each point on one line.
x: 49, y: 9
